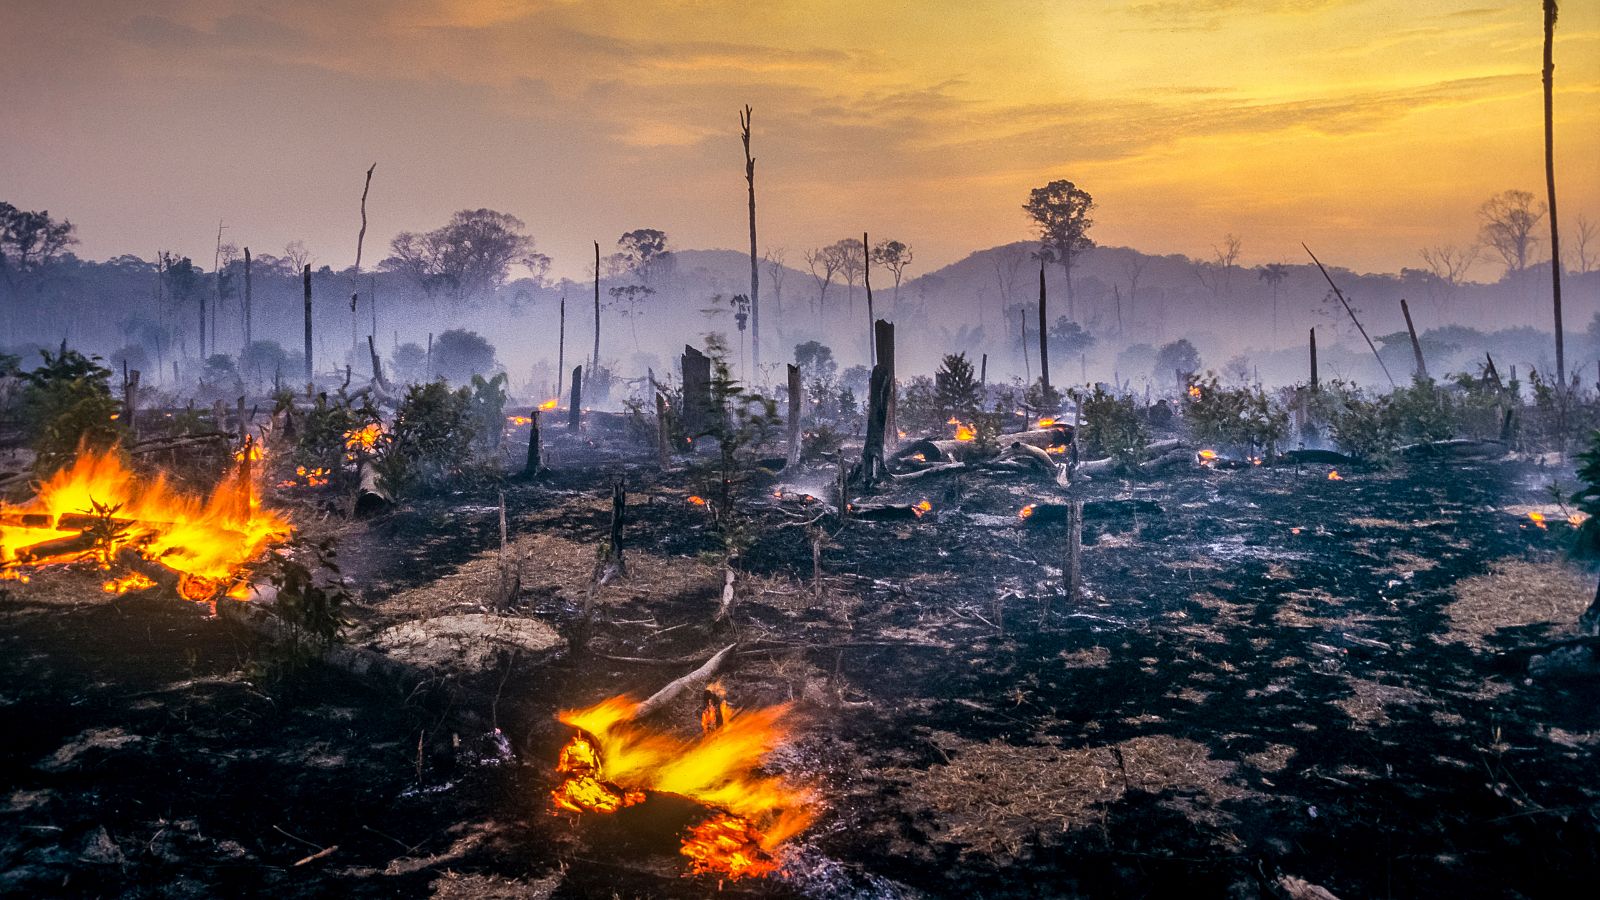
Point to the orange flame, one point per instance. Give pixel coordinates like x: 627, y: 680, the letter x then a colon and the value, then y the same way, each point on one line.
x: 1026, y: 511
x: 1194, y: 391
x: 549, y: 404
x: 1335, y: 476
x: 696, y: 499
x: 363, y: 439
x: 613, y: 761
x: 519, y: 420
x: 964, y: 432
x: 923, y: 507
x: 206, y: 540
x: 1537, y: 518
x: 1046, y: 422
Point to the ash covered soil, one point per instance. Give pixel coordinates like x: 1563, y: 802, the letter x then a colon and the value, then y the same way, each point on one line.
x: 1273, y: 673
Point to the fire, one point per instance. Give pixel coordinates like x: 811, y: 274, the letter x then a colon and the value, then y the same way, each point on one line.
x: 696, y: 500
x: 923, y: 507
x: 1026, y: 511
x: 1335, y: 476
x: 96, y: 509
x: 549, y: 404
x: 964, y: 432
x: 1576, y: 519
x: 519, y: 420
x: 1194, y: 391
x: 316, y: 477
x: 613, y: 761
x: 1046, y: 422
x: 1537, y: 518
x: 1207, y: 457
x: 363, y: 439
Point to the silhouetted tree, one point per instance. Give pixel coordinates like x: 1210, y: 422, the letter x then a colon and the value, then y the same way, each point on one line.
x: 894, y: 256
x: 1061, y: 211
x: 459, y: 354
x: 1508, y: 219
x: 466, y: 258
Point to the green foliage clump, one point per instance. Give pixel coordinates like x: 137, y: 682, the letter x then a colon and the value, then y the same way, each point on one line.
x: 1360, y: 425
x: 431, y: 437
x: 67, y: 403
x: 488, y: 405
x: 1587, y: 500
x: 741, y: 422
x: 956, y: 389
x: 1110, y: 427
x: 1242, y: 418
x: 320, y: 438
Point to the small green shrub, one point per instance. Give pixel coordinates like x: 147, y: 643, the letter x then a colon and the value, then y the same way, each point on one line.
x: 431, y: 438
x: 1110, y: 427
x: 67, y: 403
x: 1241, y: 418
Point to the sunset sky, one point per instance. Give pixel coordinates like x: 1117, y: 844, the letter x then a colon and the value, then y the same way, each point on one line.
x: 1367, y: 128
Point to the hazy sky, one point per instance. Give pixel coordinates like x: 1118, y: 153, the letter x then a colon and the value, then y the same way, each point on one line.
x: 1368, y: 128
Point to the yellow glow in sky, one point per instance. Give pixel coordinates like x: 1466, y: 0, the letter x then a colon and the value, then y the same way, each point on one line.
x: 1367, y: 127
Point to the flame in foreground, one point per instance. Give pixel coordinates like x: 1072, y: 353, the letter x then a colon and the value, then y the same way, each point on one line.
x: 964, y: 432
x: 1335, y: 476
x: 612, y: 761
x: 1026, y: 511
x: 97, y: 508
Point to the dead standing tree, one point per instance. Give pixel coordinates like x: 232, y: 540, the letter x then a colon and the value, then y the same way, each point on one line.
x: 1550, y: 13
x: 1347, y: 308
x: 310, y: 371
x: 873, y: 467
x: 755, y: 274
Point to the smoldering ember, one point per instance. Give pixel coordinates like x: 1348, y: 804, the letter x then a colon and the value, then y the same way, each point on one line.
x: 1129, y: 450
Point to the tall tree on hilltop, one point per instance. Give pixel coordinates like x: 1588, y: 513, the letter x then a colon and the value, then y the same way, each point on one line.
x: 1061, y: 210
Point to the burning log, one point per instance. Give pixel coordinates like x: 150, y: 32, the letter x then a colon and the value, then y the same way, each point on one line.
x: 696, y: 680
x: 71, y: 546
x: 955, y: 450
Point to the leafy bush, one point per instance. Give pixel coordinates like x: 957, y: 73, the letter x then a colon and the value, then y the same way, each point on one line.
x: 1110, y: 427
x: 459, y: 354
x: 431, y: 438
x: 488, y: 405
x: 956, y: 392
x: 320, y: 437
x: 1241, y: 418
x: 67, y: 404
x: 1361, y: 426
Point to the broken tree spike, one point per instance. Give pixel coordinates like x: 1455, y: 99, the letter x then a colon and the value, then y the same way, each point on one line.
x: 1352, y: 312
x: 675, y: 688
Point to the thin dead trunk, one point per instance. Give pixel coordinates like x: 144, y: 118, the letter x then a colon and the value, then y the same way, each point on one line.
x: 755, y: 273
x: 1550, y: 13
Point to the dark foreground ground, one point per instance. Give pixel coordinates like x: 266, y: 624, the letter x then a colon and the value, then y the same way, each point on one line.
x: 1275, y: 674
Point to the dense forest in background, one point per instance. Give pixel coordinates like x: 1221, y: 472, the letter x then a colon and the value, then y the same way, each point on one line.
x: 1248, y: 323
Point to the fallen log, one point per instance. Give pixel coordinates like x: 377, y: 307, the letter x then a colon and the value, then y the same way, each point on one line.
x: 936, y: 469
x: 885, y: 512
x: 71, y: 545
x: 675, y: 688
x: 1456, y: 448
x: 1094, y: 511
x: 950, y: 450
x: 371, y: 497
x: 1312, y: 457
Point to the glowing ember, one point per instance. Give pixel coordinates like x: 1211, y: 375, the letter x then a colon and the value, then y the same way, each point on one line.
x: 1046, y: 422
x: 1207, y: 457
x: 96, y: 509
x: 923, y: 507
x: 1056, y: 450
x: 1026, y: 511
x: 1194, y: 391
x: 363, y: 439
x: 549, y: 404
x: 1335, y: 476
x: 519, y: 420
x: 613, y: 761
x: 696, y: 500
x: 305, y: 477
x: 1537, y: 518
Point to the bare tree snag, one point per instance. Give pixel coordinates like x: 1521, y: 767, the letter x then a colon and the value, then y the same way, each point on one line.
x: 1348, y: 309
x: 663, y: 431
x: 1044, y: 337
x: 793, y: 459
x: 1550, y: 13
x: 614, y: 566
x: 873, y: 467
x: 1416, y: 345
x: 377, y: 367
x: 983, y: 376
x: 130, y: 399
x: 755, y: 272
x: 674, y: 689
x: 883, y: 347
x: 866, y: 271
x: 1313, y: 335
x: 535, y: 462
x: 310, y: 370
x: 575, y: 412
x: 561, y: 347
x: 696, y: 369
x: 247, y: 298
x: 594, y: 361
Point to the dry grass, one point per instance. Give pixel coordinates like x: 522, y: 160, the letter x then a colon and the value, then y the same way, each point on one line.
x: 993, y: 798
x: 1517, y: 593
x: 1369, y: 701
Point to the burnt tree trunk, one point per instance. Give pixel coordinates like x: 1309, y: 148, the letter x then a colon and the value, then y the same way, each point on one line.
x: 1313, y: 334
x: 1550, y: 183
x: 247, y: 298
x: 535, y: 462
x: 575, y: 412
x: 696, y: 370
x: 614, y: 566
x: 755, y: 272
x: 1044, y: 339
x: 310, y: 369
x: 872, y: 464
x: 883, y: 347
x: 377, y: 367
x: 594, y: 361
x: 663, y: 431
x: 1416, y: 345
x: 561, y: 348
x: 793, y: 459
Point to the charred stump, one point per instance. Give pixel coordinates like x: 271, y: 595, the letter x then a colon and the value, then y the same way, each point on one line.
x: 696, y: 369
x: 535, y: 462
x: 793, y: 459
x: 613, y: 566
x: 575, y: 412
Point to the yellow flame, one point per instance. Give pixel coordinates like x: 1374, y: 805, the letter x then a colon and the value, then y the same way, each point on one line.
x: 1194, y: 391
x: 519, y: 420
x: 206, y: 539
x: 549, y: 404
x: 364, y: 438
x: 1335, y: 476
x: 1537, y: 518
x: 1046, y: 422
x: 612, y: 761
x: 1026, y: 511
